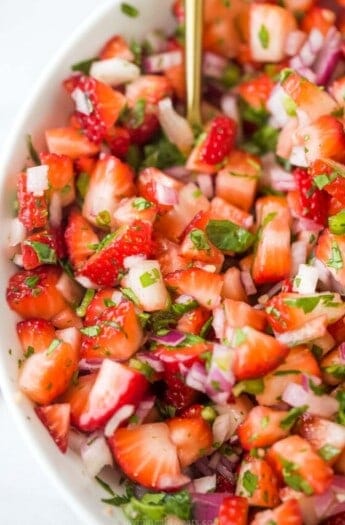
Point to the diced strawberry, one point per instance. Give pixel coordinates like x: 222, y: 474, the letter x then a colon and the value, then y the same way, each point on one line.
x: 38, y: 249
x: 196, y: 247
x: 256, y: 353
x: 115, y: 385
x: 190, y: 202
x: 134, y: 209
x: 192, y: 411
x: 35, y: 333
x: 193, y: 438
x: 70, y: 141
x: 192, y: 322
x: 178, y: 11
x: 324, y: 138
x: 154, y: 185
x: 77, y: 396
x: 239, y: 314
x: 263, y: 489
x: 288, y: 311
x: 318, y: 18
x: 105, y: 104
x: 117, y: 47
x: 151, y: 88
x: 338, y: 519
x: 58, y: 235
x: 224, y: 484
x: 118, y: 139
x: 84, y: 164
x: 299, y: 466
x: 233, y: 511
x: 33, y: 293
x: 48, y: 370
x: 103, y: 267
x: 204, y: 286
x: 330, y: 249
x: 337, y: 330
x: 219, y: 140
x: 135, y: 450
x: 117, y: 333
x: 66, y: 318
x: 221, y: 209
x: 272, y: 258
x: 176, y: 76
x: 269, y: 26
x: 313, y: 202
x: 233, y: 286
x: 332, y: 366
x: 236, y: 183
x: 256, y: 91
x: 308, y: 97
x: 178, y: 394
x: 325, y: 436
x: 288, y: 513
x: 110, y: 181
x: 60, y: 176
x: 143, y: 133
x: 32, y: 210
x: 81, y: 240
x: 56, y: 419
x: 299, y: 361
x: 262, y: 427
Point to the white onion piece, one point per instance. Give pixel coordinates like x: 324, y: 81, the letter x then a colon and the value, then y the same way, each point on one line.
x: 311, y: 330
x: 326, y: 342
x: 91, y: 365
x: 55, y: 209
x: 213, y: 65
x: 96, y: 455
x: 298, y: 157
x: 220, y: 373
x: 176, y: 128
x: 82, y: 102
x: 229, y: 106
x: 311, y: 47
x: 17, y: 232
x: 37, y: 180
x: 70, y: 335
x: 323, y: 406
x: 306, y: 279
x: 248, y: 283
x: 162, y: 61
x: 69, y: 288
x: 324, y: 273
x: 143, y: 409
x: 275, y: 104
x: 133, y: 260
x: 119, y: 417
x: 184, y: 299
x: 205, y: 484
x: 18, y: 259
x: 85, y: 281
x: 146, y: 281
x: 222, y: 428
x: 166, y: 194
x: 156, y: 41
x: 196, y: 377
x: 76, y: 440
x: 218, y: 322
x: 114, y: 71
x: 298, y: 255
x: 294, y: 42
x: 205, y: 183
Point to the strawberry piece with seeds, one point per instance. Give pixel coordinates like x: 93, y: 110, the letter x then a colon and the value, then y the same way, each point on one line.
x: 81, y: 240
x: 219, y: 141
x: 56, y: 419
x: 32, y: 210
x: 233, y: 511
x: 38, y: 249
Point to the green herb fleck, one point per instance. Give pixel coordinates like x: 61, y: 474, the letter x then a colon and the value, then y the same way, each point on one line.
x: 129, y: 10
x: 250, y: 386
x: 250, y: 482
x: 336, y: 223
x: 321, y: 181
x: 29, y: 351
x: 293, y: 479
x: 309, y: 303
x: 335, y: 370
x: 199, y: 240
x: 328, y: 452
x: 89, y: 295
x: 53, y: 346
x: 91, y: 331
x: 103, y: 219
x: 141, y: 204
x: 82, y: 184
x: 227, y: 236
x: 32, y: 281
x: 127, y: 292
x: 149, y: 278
x: 84, y: 66
x: 32, y: 150
x: 264, y: 36
x: 44, y: 252
x: 288, y: 422
x: 336, y: 260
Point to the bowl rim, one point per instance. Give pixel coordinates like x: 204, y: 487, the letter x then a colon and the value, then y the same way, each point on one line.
x: 56, y: 62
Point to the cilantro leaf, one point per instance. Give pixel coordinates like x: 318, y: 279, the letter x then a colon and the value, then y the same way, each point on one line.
x: 288, y: 422
x: 129, y: 10
x: 336, y: 260
x: 328, y: 451
x: 336, y: 223
x: 227, y: 236
x: 199, y: 239
x: 264, y: 36
x: 250, y: 482
x: 84, y: 66
x: 162, y: 154
x: 32, y: 150
x: 309, y: 303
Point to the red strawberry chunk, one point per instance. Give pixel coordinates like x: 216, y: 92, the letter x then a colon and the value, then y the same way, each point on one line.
x: 178, y: 394
x: 118, y: 140
x: 103, y: 267
x: 143, y: 133
x: 233, y: 511
x: 314, y: 201
x: 38, y: 249
x: 80, y: 238
x: 56, y: 419
x: 219, y: 140
x: 32, y: 211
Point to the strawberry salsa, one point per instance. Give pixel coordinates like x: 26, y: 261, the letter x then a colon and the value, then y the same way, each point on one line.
x: 181, y: 289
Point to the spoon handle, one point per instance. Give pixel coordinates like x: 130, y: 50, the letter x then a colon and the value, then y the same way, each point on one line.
x: 194, y: 21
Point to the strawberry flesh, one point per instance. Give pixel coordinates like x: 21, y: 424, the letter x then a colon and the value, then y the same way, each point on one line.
x: 219, y: 140
x: 314, y: 201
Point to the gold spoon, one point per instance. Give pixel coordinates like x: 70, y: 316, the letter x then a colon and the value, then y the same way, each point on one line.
x: 194, y: 21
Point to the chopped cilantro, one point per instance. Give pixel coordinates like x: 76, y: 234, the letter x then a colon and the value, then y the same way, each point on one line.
x: 228, y: 236
x: 142, y: 367
x: 286, y: 372
x: 336, y: 260
x: 264, y: 36
x: 103, y: 219
x: 289, y: 106
x: 32, y: 280
x: 288, y: 422
x: 29, y: 351
x: 182, y: 308
x: 264, y: 422
x: 262, y: 141
x: 239, y: 337
x: 293, y: 479
x: 250, y: 482
x: 162, y: 154
x: 53, y: 346
x: 127, y: 292
x: 82, y: 184
x: 341, y: 412
x: 32, y: 150
x: 141, y: 204
x: 336, y: 223
x: 318, y: 390
x: 285, y: 73
x: 328, y: 452
x: 137, y: 51
x: 84, y: 66
x: 231, y: 75
x: 44, y: 252
x: 321, y: 181
x: 91, y: 331
x: 89, y: 295
x: 206, y: 327
x: 199, y: 239
x: 250, y: 386
x: 335, y: 370
x: 150, y: 278
x: 309, y: 303
x: 129, y: 10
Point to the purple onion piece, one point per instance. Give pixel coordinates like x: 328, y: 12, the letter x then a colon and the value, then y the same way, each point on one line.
x: 328, y: 57
x: 172, y: 338
x: 206, y: 506
x: 342, y: 351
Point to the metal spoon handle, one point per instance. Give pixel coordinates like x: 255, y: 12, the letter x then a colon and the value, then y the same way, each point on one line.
x: 194, y: 21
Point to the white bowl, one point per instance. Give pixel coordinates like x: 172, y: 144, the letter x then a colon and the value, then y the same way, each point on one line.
x: 48, y: 107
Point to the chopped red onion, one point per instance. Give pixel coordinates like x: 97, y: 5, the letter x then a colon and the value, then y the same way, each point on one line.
x: 166, y: 195
x: 152, y: 360
x: 76, y: 440
x: 222, y: 428
x: 213, y: 65
x: 218, y: 322
x: 322, y: 502
x: 311, y: 47
x: 205, y: 484
x: 205, y: 183
x: 196, y: 377
x: 298, y: 255
x: 215, y: 459
x: 328, y: 57
x: 341, y: 349
x: 143, y: 409
x: 311, y: 330
x: 302, y: 224
x: 90, y: 365
x: 178, y: 172
x: 162, y: 61
x: 95, y: 454
x: 172, y: 338
x: 206, y: 506
x: 121, y: 415
x: 202, y: 465
x: 229, y: 106
x: 323, y: 406
x: 294, y: 41
x: 248, y: 283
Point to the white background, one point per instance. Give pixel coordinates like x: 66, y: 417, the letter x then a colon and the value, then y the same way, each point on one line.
x: 30, y: 33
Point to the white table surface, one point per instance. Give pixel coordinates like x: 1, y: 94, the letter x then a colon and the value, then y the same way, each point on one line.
x: 30, y: 32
